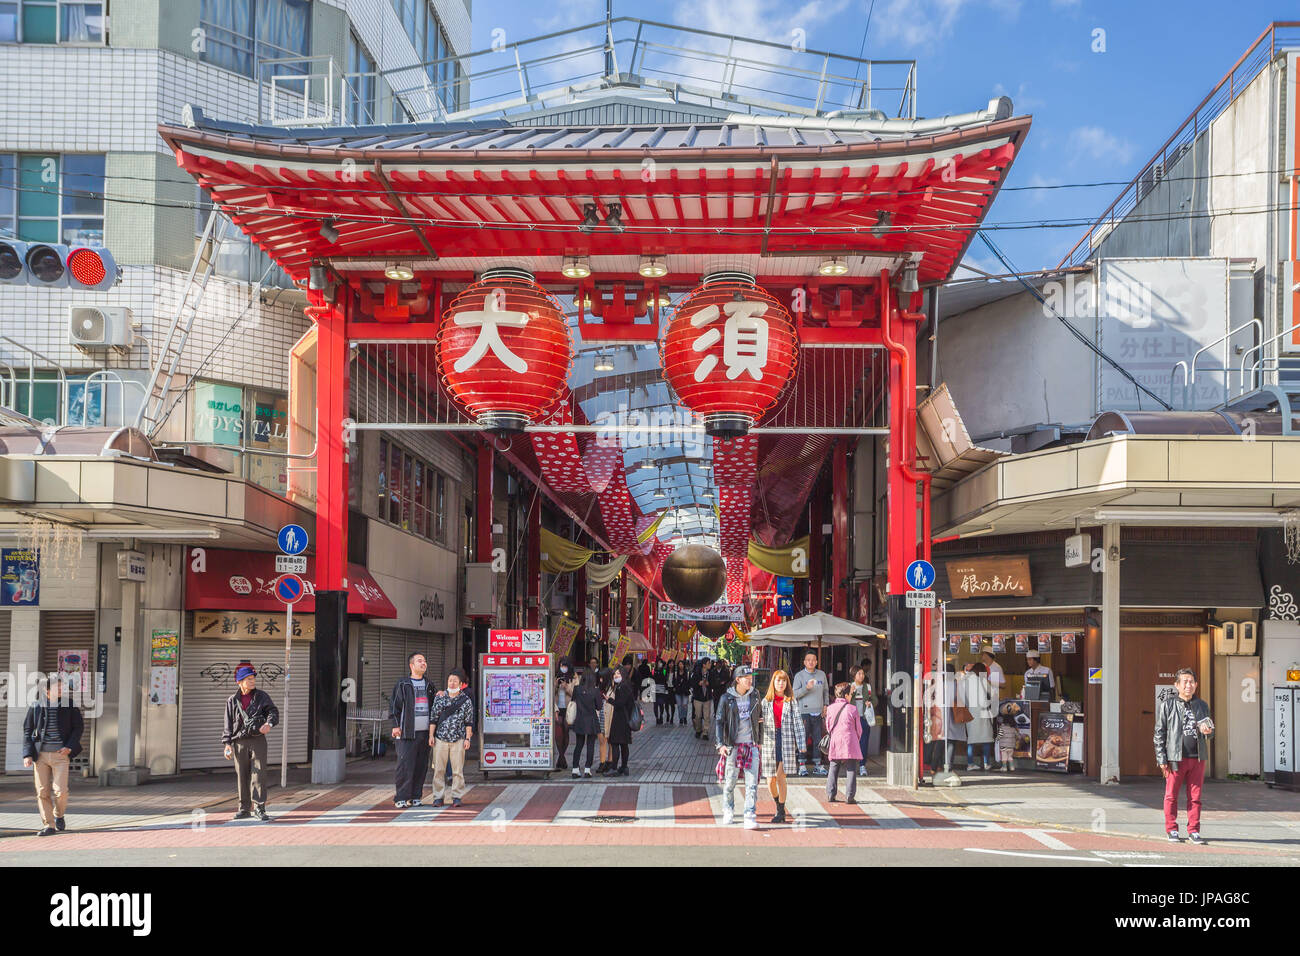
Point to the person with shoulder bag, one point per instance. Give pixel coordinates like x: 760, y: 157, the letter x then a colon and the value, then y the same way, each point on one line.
x: 842, y: 745
x: 623, y: 698
x: 860, y: 697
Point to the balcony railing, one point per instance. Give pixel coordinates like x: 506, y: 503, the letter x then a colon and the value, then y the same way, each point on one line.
x: 674, y: 64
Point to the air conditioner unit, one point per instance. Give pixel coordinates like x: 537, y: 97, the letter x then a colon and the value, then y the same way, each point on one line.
x: 100, y: 327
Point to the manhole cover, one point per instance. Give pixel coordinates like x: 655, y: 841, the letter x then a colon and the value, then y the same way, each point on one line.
x: 609, y: 819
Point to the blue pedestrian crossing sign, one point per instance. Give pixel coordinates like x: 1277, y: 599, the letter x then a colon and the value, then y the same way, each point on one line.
x: 289, y: 588
x: 293, y: 539
x: 920, y: 575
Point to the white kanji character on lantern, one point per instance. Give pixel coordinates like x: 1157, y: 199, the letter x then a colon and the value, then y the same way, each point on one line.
x: 744, y: 339
x: 488, y: 321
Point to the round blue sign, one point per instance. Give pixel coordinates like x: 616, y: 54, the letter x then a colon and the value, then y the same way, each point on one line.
x: 292, y: 539
x: 289, y: 588
x: 920, y: 575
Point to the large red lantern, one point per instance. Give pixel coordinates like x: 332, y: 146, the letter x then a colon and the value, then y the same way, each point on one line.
x: 504, y: 350
x: 729, y: 352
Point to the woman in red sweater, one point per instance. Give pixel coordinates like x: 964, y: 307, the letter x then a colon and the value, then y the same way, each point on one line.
x: 779, y: 714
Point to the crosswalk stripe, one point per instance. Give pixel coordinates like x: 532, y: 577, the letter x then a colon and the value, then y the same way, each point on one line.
x: 883, y: 812
x: 655, y: 806
x: 582, y: 802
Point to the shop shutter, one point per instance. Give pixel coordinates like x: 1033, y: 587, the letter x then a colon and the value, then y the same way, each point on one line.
x: 373, y: 696
x: 68, y: 631
x: 208, y: 679
x: 385, y: 650
x: 392, y: 662
x: 4, y: 711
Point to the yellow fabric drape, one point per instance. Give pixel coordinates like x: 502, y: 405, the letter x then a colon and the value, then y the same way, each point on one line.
x: 560, y: 556
x: 599, y: 575
x: 649, y: 532
x: 779, y: 561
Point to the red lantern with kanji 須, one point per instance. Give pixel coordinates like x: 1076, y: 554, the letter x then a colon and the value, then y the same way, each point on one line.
x: 504, y: 350
x: 729, y: 352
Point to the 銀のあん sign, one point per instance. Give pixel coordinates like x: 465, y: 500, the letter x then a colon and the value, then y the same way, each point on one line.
x: 990, y: 577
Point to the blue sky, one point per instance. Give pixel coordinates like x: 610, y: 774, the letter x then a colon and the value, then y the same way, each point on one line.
x: 1098, y: 116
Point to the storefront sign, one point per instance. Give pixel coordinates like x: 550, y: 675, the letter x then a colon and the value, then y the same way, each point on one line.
x: 163, y: 648
x: 130, y: 566
x: 1284, y: 716
x: 101, y: 668
x: 1094, y: 675
x: 516, y: 642
x: 620, y: 644
x: 1052, y: 742
x: 1019, y: 711
x: 713, y: 612
x: 989, y: 577
x: 20, y: 577
x: 1078, y: 550
x: 516, y: 719
x: 241, y: 625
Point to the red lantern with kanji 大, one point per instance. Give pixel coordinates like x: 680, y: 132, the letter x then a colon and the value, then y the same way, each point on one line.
x: 729, y: 352
x: 504, y: 350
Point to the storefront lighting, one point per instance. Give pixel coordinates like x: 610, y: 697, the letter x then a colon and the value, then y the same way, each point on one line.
x: 590, y: 219
x: 584, y: 299
x: 647, y: 465
x: 660, y: 493
x: 614, y: 216
x: 399, y: 273
x: 653, y: 267
x: 907, y: 283
x: 328, y: 232
x: 575, y: 267
x: 834, y: 266
x: 604, y: 362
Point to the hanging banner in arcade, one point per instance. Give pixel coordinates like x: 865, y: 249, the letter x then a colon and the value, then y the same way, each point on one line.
x: 713, y: 612
x: 562, y: 638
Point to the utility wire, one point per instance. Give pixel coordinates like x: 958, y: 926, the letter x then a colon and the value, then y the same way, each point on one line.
x: 1073, y: 331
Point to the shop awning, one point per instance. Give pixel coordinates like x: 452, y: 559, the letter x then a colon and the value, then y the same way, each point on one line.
x: 245, y: 581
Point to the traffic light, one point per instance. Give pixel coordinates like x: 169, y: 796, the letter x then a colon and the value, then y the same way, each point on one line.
x: 54, y: 266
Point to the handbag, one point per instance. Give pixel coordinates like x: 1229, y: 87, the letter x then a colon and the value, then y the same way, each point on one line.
x: 635, y: 717
x: 824, y: 745
x: 571, y: 713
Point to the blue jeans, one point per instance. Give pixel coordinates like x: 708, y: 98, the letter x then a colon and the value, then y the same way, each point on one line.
x: 988, y: 754
x: 683, y: 707
x: 751, y: 784
x: 865, y: 738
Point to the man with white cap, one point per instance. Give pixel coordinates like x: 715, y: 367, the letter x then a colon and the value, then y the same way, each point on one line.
x: 1037, y: 669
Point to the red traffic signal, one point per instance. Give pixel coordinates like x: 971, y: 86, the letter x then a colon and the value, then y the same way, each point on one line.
x: 54, y: 266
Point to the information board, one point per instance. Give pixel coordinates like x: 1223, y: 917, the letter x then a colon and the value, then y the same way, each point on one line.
x: 516, y: 717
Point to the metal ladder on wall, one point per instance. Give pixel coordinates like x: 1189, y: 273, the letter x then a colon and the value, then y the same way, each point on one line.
x: 154, y: 409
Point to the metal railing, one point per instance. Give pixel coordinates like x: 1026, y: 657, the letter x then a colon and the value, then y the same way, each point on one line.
x: 1189, y: 372
x: 1277, y: 36
x: 683, y: 65
x: 69, y: 408
x: 1260, y: 365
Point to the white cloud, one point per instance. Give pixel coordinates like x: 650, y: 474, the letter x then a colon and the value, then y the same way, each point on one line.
x: 1096, y: 143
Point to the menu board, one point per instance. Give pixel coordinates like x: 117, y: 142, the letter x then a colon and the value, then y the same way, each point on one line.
x: 999, y: 643
x: 1052, y: 739
x: 1022, y: 643
x: 1068, y: 642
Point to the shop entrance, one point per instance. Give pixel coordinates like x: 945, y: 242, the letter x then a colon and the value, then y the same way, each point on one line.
x: 1148, y: 661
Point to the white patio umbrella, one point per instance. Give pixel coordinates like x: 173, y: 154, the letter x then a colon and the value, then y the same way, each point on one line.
x: 819, y: 629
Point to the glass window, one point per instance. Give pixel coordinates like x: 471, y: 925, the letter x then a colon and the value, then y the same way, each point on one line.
x: 8, y: 195
x: 40, y: 22
x: 361, y: 82
x: 81, y: 23
x: 395, y: 485
x: 8, y: 22
x: 218, y: 414
x: 419, y: 511
x: 440, y: 510
x: 383, y: 483
x: 52, y: 198
x: 238, y: 34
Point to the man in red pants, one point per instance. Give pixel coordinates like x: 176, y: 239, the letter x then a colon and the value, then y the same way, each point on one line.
x: 1183, y: 729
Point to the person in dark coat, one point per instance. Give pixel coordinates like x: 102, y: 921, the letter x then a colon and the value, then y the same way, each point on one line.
x: 586, y: 695
x: 619, y: 732
x: 51, y: 740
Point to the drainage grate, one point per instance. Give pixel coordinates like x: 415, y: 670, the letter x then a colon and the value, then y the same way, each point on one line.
x: 609, y: 819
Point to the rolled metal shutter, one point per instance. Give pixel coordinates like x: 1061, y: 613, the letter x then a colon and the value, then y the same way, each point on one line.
x: 385, y: 650
x: 373, y: 695
x: 208, y: 680
x: 71, y: 630
x: 4, y: 711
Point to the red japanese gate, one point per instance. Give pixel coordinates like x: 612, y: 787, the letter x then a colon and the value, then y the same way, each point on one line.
x: 841, y: 220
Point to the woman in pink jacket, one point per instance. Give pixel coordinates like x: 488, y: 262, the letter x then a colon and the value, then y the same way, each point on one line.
x: 844, y: 728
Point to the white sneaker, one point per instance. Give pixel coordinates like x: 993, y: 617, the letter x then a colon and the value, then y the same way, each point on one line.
x: 751, y: 823
x: 577, y: 772
x: 586, y: 771
x: 728, y: 818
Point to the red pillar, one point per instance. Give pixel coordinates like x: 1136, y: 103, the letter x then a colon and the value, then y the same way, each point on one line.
x: 535, y: 562
x: 840, y: 528
x: 483, y: 502
x: 329, y: 667
x: 816, y: 587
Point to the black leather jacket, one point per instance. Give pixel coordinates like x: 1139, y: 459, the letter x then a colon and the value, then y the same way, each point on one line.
x: 727, y: 720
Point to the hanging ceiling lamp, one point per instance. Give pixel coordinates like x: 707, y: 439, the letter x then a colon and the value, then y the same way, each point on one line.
x: 653, y: 267
x: 575, y: 267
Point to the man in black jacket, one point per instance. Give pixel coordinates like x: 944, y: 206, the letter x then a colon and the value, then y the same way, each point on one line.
x: 701, y: 700
x: 51, y: 738
x: 736, y: 734
x: 408, y: 709
x: 250, y: 715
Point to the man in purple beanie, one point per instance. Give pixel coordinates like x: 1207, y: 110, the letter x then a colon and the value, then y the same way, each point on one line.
x: 250, y: 715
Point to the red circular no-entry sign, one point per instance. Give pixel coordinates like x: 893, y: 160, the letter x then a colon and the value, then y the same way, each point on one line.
x: 289, y: 588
